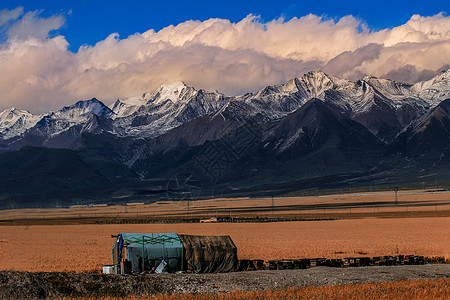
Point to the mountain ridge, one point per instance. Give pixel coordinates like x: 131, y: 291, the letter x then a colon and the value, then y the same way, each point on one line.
x: 171, y: 105
x: 313, y: 131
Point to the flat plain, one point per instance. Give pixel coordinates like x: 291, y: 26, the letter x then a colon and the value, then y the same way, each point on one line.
x: 407, y: 203
x: 85, y: 248
x: 332, y: 226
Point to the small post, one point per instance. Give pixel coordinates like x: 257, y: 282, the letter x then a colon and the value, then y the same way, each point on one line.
x: 272, y: 205
x: 143, y: 252
x: 396, y: 199
x: 182, y: 256
x: 163, y: 258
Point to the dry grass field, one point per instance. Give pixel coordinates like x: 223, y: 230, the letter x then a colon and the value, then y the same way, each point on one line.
x: 410, y: 289
x: 357, y: 205
x: 83, y: 248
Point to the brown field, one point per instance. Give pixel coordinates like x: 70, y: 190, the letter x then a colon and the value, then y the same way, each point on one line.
x: 410, y: 289
x: 358, y: 205
x: 83, y: 248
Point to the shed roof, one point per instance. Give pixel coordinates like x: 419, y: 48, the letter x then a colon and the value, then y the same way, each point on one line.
x: 168, y: 239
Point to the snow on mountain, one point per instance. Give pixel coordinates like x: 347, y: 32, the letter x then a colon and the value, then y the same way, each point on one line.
x: 14, y: 122
x: 126, y: 107
x: 82, y: 109
x: 166, y: 108
x: 95, y: 124
x: 356, y: 96
x: 434, y: 90
x: 383, y: 106
x: 278, y: 100
x: 174, y: 92
x: 123, y: 108
x: 59, y: 121
x: 315, y: 84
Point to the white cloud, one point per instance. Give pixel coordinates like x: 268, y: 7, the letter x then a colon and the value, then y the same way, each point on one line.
x: 32, y: 26
x: 10, y: 15
x: 214, y: 54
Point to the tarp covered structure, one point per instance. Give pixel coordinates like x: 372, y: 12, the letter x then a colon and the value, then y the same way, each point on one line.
x: 209, y: 254
x: 137, y: 252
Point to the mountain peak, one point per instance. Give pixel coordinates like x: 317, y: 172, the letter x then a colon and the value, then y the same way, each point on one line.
x: 367, y: 78
x: 177, y: 85
x: 173, y: 87
x: 86, y: 107
x: 15, y: 121
x: 14, y: 111
x: 314, y: 83
x: 84, y: 103
x: 172, y: 91
x: 316, y: 73
x: 319, y: 75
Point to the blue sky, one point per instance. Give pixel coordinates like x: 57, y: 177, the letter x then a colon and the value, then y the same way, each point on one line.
x: 89, y: 21
x: 56, y: 52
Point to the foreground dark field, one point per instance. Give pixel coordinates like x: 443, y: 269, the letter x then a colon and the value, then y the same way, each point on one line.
x: 429, y: 281
x: 412, y: 289
x: 417, y: 289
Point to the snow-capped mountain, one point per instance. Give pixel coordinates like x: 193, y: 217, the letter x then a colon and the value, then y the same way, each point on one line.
x: 434, y: 90
x: 124, y: 108
x: 166, y: 108
x: 55, y: 123
x: 14, y: 122
x: 83, y: 109
x: 383, y: 106
x: 315, y: 130
x: 356, y: 97
x: 63, y: 125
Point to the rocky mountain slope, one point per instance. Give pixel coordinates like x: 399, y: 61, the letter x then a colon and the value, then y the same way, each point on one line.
x: 285, y: 137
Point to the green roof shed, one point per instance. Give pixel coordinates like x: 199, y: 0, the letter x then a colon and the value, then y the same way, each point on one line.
x: 170, y: 252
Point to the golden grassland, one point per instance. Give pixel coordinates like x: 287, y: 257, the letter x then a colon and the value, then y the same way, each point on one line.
x: 375, y: 204
x: 411, y: 289
x: 84, y: 248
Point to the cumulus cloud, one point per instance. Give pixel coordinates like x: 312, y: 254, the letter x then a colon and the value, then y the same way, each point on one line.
x: 215, y: 54
x: 347, y: 62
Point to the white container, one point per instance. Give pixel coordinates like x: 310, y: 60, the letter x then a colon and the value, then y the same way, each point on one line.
x: 109, y: 269
x: 161, y: 267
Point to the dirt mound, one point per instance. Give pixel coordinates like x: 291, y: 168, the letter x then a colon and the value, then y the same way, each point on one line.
x: 26, y: 285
